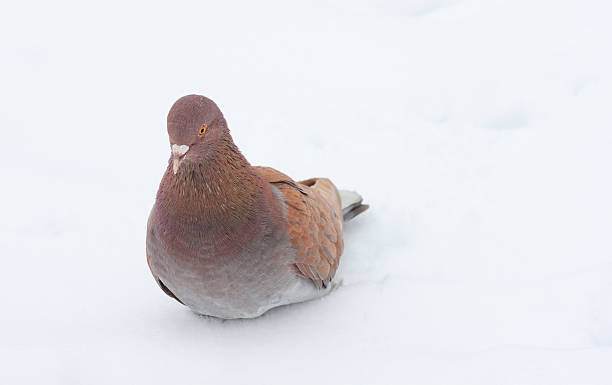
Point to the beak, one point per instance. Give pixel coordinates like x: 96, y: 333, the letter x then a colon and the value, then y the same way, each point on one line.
x: 178, y: 153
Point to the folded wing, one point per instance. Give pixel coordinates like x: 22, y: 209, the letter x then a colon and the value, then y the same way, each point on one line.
x: 314, y: 215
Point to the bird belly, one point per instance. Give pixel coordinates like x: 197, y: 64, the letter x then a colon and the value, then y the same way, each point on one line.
x: 245, y: 287
x: 294, y: 290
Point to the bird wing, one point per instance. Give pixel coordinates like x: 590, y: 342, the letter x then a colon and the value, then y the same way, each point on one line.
x: 314, y: 217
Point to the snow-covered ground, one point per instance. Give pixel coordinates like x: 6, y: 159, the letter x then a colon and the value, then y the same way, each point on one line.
x: 480, y: 131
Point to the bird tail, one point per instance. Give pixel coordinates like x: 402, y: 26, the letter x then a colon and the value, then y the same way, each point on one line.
x: 351, y: 204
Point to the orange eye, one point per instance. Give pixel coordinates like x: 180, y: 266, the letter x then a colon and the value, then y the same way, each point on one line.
x: 203, y: 129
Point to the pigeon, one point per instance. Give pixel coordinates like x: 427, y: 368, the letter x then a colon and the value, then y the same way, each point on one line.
x: 232, y: 240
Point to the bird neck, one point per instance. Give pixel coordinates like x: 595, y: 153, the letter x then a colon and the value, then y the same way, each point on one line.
x: 217, y: 201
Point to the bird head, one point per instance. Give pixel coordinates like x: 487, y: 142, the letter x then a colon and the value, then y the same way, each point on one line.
x: 195, y: 125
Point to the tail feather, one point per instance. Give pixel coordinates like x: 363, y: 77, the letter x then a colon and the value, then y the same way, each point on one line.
x: 351, y: 204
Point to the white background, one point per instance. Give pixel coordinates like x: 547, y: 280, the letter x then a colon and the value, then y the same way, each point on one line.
x: 479, y: 132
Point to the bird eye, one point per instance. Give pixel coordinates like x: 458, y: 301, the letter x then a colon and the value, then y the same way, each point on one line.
x: 203, y: 129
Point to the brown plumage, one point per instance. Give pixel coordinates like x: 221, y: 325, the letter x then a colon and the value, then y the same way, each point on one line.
x: 314, y: 221
x: 231, y: 240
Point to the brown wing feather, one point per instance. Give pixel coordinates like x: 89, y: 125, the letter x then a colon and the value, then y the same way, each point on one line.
x: 314, y: 216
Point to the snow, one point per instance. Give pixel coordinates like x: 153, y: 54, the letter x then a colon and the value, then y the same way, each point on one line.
x: 478, y: 131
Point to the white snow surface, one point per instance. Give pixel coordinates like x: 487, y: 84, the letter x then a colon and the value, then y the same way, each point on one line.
x: 479, y: 132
